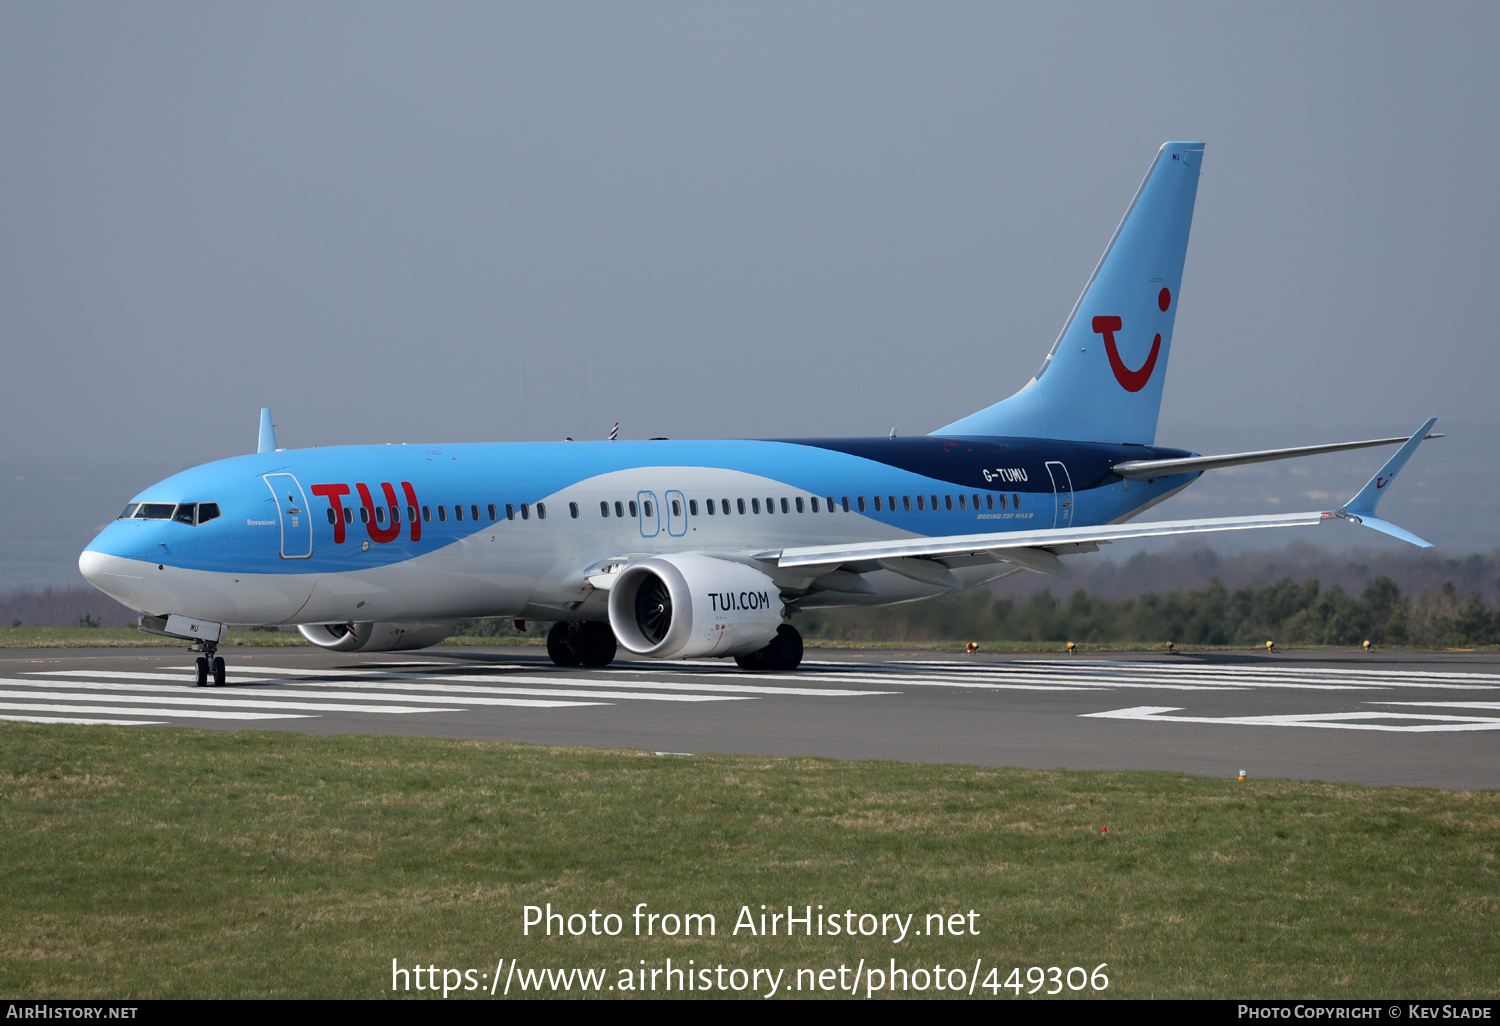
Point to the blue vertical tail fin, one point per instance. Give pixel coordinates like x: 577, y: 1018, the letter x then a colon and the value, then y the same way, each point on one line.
x: 1102, y: 381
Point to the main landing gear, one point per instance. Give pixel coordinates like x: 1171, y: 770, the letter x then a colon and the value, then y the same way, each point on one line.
x: 783, y: 653
x: 590, y: 643
x: 208, y: 663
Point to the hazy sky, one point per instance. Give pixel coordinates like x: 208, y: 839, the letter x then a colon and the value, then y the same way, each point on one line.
x: 524, y: 221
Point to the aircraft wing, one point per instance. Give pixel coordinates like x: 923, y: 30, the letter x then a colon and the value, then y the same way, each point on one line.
x: 1037, y: 550
x: 1029, y: 549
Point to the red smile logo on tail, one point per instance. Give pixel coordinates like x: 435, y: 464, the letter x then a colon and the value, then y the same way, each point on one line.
x: 1130, y: 380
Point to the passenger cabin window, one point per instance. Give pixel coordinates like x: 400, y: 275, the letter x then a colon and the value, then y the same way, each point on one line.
x: 877, y: 504
x: 348, y: 515
x: 892, y: 500
x: 442, y: 514
x: 426, y: 514
x: 1015, y: 501
x: 814, y: 501
x: 573, y: 510
x: 510, y: 511
x: 635, y: 510
x: 603, y: 508
x: 860, y: 501
x: 474, y: 512
x: 458, y: 512
x: 740, y: 505
x: 963, y: 502
x: 620, y: 510
x: 650, y: 510
x: 831, y: 503
x: 906, y: 503
x: 411, y: 514
x: 395, y: 514
x: 920, y: 506
x: 525, y: 511
x: 754, y: 505
x: 786, y: 509
x: 846, y: 504
x: 934, y: 503
x: 380, y: 514
x: 947, y: 502
x: 799, y: 504
x: 541, y: 511
x: 709, y: 505
x: 494, y: 514
x: 364, y: 514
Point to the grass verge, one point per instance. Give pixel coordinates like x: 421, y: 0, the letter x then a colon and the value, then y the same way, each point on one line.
x: 159, y: 862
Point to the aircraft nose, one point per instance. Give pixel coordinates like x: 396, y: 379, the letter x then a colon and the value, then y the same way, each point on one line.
x: 112, y: 575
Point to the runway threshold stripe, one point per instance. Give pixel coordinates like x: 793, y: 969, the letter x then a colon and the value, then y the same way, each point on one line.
x: 211, y: 695
x: 525, y: 676
x: 82, y: 722
x: 412, y: 692
x: 221, y: 699
x: 192, y: 714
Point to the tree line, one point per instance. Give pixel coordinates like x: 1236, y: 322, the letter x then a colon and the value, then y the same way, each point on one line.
x: 1286, y: 612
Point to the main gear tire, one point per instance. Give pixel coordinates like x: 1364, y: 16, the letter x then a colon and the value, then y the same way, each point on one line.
x: 561, y: 647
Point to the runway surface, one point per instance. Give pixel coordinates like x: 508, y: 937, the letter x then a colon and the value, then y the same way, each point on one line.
x: 1422, y: 719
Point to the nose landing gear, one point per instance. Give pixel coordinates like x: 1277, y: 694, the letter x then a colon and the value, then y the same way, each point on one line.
x: 208, y: 663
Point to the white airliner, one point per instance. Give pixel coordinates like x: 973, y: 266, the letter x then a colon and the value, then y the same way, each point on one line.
x: 686, y: 549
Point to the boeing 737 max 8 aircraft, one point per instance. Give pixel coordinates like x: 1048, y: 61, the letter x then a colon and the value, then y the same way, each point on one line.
x: 685, y: 549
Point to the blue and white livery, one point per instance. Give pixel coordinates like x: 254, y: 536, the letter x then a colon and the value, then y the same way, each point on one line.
x: 684, y: 549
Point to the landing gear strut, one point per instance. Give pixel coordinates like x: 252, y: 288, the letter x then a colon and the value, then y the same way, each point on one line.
x: 208, y: 663
x: 783, y: 653
x: 590, y: 643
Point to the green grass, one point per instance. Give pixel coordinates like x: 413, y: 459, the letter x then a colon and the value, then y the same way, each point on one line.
x: 158, y: 862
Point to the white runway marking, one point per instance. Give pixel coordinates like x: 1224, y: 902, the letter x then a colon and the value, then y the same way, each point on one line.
x: 80, y: 722
x: 413, y: 688
x: 191, y: 714
x: 1335, y: 721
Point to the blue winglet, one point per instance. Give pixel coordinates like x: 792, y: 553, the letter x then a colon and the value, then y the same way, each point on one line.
x: 267, y: 433
x: 1361, y: 508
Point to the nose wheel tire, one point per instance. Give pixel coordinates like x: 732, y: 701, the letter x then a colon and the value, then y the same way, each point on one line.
x: 202, y: 667
x: 218, y: 670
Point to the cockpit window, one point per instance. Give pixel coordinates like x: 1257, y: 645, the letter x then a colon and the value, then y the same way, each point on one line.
x: 189, y: 513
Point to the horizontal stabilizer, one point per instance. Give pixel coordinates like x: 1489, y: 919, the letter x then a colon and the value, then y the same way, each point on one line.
x: 1145, y: 470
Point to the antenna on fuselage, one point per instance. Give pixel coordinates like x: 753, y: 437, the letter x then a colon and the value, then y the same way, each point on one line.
x: 267, y: 441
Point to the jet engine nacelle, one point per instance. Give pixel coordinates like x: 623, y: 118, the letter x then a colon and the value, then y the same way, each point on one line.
x: 377, y: 637
x: 682, y: 607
